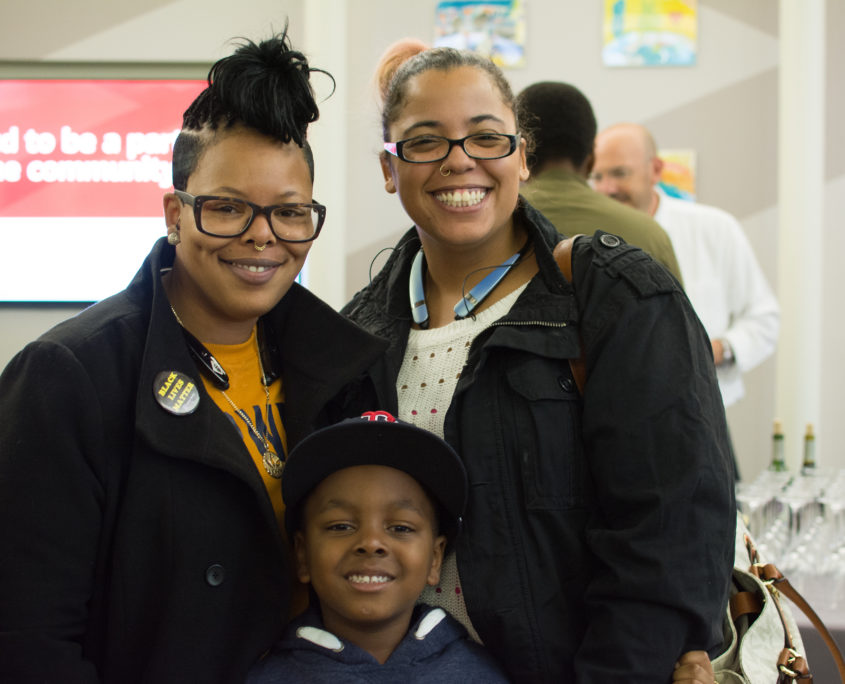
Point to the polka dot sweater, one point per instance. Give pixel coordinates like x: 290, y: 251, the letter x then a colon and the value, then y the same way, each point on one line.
x: 426, y: 382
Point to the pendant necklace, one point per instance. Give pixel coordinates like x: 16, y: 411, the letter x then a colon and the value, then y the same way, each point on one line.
x: 466, y: 304
x: 272, y: 463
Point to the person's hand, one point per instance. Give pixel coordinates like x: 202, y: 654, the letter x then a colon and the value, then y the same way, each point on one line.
x: 693, y: 668
x: 723, y: 353
x: 718, y: 352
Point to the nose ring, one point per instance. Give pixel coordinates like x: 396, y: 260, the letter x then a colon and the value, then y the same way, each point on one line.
x: 259, y: 249
x: 448, y: 173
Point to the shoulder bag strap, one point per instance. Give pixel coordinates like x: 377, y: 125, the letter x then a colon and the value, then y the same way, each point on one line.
x: 770, y: 573
x: 563, y: 257
x: 791, y: 664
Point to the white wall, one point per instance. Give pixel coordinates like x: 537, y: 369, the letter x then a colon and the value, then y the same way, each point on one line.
x: 725, y: 108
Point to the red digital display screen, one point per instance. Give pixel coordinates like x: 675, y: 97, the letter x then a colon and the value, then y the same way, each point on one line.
x: 83, y: 167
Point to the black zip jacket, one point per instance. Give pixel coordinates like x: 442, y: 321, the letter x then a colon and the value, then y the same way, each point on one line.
x: 598, y: 541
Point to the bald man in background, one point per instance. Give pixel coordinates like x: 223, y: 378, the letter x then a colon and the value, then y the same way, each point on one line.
x: 721, y: 275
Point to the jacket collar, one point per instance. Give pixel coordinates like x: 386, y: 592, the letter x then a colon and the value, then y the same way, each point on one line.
x: 547, y: 298
x: 319, y: 352
x: 555, y: 175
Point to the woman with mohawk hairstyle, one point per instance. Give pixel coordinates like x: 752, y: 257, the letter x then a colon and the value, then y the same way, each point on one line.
x: 146, y: 545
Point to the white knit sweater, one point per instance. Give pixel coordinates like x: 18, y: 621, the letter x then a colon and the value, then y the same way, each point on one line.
x: 426, y: 382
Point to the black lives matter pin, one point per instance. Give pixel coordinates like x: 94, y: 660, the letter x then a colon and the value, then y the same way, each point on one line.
x: 176, y: 392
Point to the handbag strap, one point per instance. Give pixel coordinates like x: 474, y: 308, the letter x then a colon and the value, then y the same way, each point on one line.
x: 563, y: 257
x: 745, y: 603
x: 770, y: 573
x: 792, y: 664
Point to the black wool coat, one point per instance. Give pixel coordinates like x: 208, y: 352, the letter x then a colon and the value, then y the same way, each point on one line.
x: 139, y: 545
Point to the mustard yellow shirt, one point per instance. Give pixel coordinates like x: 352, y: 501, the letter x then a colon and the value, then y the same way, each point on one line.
x: 240, y: 361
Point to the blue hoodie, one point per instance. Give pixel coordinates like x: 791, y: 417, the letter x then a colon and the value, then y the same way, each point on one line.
x: 436, y: 649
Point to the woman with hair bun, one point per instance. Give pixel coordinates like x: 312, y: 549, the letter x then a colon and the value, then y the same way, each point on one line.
x: 581, y: 555
x: 142, y: 441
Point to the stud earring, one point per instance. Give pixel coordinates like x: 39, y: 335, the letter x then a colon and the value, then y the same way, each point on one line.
x: 447, y: 174
x: 173, y: 238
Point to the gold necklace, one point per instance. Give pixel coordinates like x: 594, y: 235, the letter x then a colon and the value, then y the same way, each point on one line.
x: 272, y: 463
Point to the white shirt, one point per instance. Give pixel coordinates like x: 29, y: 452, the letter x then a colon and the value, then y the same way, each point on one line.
x: 725, y: 284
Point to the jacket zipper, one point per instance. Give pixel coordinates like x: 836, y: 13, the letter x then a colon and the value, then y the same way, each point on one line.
x: 542, y: 324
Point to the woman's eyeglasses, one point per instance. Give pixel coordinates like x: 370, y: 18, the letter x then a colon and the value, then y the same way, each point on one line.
x: 433, y: 148
x: 227, y: 217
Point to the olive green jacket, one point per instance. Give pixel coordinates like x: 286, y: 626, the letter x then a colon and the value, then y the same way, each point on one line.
x: 574, y: 207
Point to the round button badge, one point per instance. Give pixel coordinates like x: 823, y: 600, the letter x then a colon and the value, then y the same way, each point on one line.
x: 176, y: 392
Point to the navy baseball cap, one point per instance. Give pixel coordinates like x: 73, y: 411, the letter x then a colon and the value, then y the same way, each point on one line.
x: 377, y: 438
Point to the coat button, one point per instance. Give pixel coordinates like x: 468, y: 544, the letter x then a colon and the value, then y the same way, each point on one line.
x: 609, y: 240
x: 565, y: 383
x: 215, y: 574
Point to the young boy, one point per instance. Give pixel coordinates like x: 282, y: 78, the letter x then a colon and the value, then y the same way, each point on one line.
x: 371, y: 504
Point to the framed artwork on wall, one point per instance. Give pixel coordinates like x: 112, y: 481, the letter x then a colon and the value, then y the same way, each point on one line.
x: 678, y: 176
x: 494, y: 28
x: 650, y: 33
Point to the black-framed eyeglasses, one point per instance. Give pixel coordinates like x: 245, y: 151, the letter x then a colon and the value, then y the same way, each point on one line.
x: 227, y: 217
x: 423, y: 149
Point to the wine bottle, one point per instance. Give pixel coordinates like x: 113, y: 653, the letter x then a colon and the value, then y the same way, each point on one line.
x: 808, y: 465
x: 778, y: 464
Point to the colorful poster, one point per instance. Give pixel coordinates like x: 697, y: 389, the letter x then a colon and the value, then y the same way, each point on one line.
x: 494, y: 28
x: 650, y: 33
x: 678, y: 176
